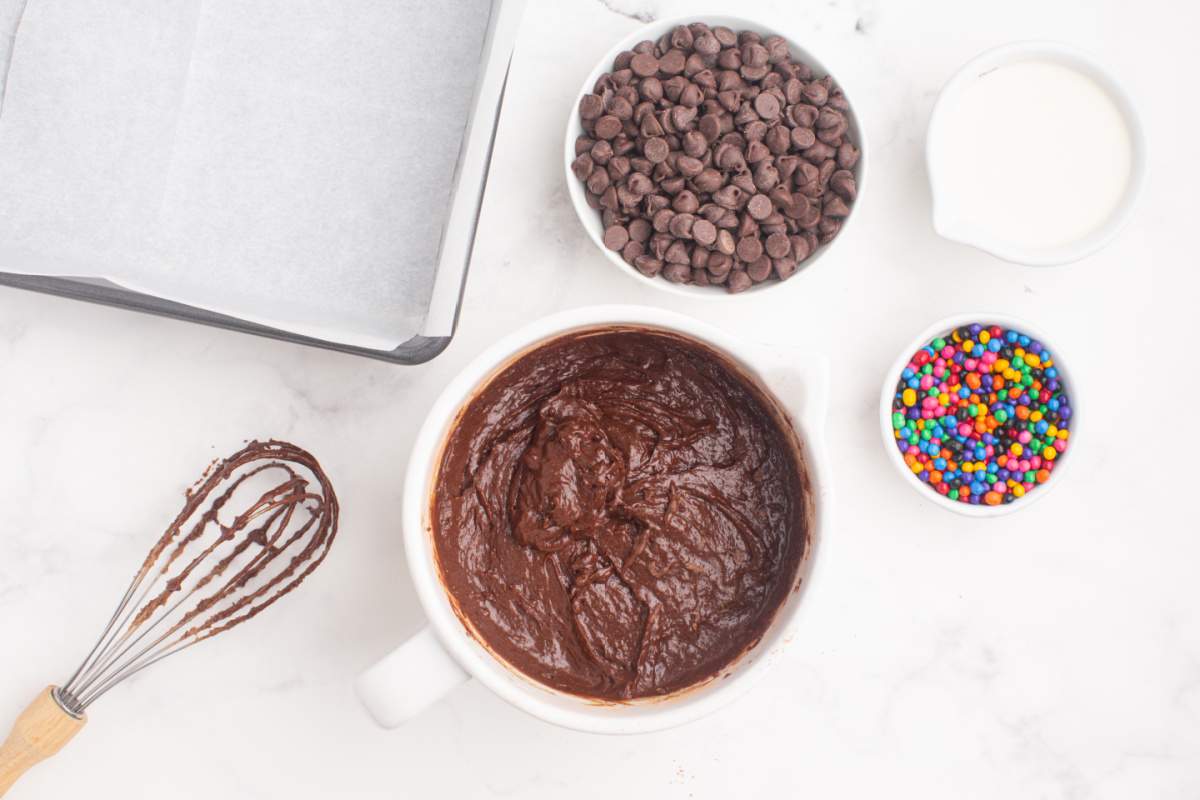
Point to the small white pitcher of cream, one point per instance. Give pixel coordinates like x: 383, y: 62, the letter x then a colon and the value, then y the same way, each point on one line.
x: 1035, y: 154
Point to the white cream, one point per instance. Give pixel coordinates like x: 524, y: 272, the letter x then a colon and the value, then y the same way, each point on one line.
x: 1033, y: 155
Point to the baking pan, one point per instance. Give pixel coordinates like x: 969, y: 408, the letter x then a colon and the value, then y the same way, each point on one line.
x: 457, y: 241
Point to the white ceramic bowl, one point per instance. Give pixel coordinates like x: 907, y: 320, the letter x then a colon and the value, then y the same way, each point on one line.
x: 941, y: 328
x: 591, y: 218
x: 934, y: 149
x: 444, y: 654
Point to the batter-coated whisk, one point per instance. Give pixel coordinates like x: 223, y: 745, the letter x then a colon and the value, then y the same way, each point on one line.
x: 253, y: 527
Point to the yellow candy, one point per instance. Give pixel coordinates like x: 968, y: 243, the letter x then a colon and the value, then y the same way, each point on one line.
x: 968, y: 346
x: 1032, y: 360
x: 1035, y: 416
x: 1018, y: 490
x: 1017, y: 449
x: 916, y: 466
x: 943, y: 399
x: 968, y: 466
x: 984, y: 337
x: 909, y: 397
x: 1000, y: 365
x: 1049, y: 454
x: 1063, y: 435
x: 1052, y: 431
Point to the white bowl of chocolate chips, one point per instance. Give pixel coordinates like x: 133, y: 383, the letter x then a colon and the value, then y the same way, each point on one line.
x: 710, y: 156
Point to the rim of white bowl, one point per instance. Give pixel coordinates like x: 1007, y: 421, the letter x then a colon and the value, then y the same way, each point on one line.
x: 590, y: 219
x: 1068, y: 55
x: 940, y: 328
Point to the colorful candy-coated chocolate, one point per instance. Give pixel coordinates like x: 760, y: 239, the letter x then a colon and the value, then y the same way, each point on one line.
x: 981, y: 414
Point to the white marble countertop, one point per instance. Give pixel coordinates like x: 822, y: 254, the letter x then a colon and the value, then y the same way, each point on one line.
x: 1051, y: 654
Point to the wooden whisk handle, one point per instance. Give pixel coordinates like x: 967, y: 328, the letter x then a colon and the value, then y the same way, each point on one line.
x: 40, y: 732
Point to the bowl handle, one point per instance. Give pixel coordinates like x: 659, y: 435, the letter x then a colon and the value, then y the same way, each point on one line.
x: 408, y: 680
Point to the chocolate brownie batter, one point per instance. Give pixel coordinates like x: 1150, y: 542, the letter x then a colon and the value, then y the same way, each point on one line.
x: 619, y: 514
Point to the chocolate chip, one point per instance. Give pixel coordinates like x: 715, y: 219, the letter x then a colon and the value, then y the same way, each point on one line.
x: 686, y: 202
x: 681, y: 37
x: 777, y: 245
x: 835, y: 206
x: 777, y: 50
x: 759, y: 206
x: 767, y: 106
x: 765, y: 176
x: 640, y: 184
x: 739, y: 281
x: 672, y: 62
x: 784, y: 267
x: 582, y: 166
x: 639, y: 230
x: 598, y: 181
x: 648, y: 265
x: 681, y: 226
x: 816, y: 94
x: 759, y: 269
x: 709, y: 180
x: 677, y: 273
x: 842, y: 182
x: 655, y: 149
x: 803, y: 138
x: 689, y: 167
x: 644, y: 65
x: 662, y: 220
x: 590, y: 106
x: 748, y: 248
x: 726, y: 196
x: 725, y: 36
x: 704, y: 232
x: 778, y: 140
x: 678, y: 253
x: 847, y: 155
x: 707, y: 44
x: 755, y: 55
x: 804, y: 116
x: 615, y: 237
x: 607, y: 127
x: 725, y: 242
x: 695, y: 144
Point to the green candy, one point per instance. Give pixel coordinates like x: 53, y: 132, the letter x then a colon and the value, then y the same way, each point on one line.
x: 938, y: 344
x: 1001, y: 415
x: 897, y: 420
x: 953, y: 494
